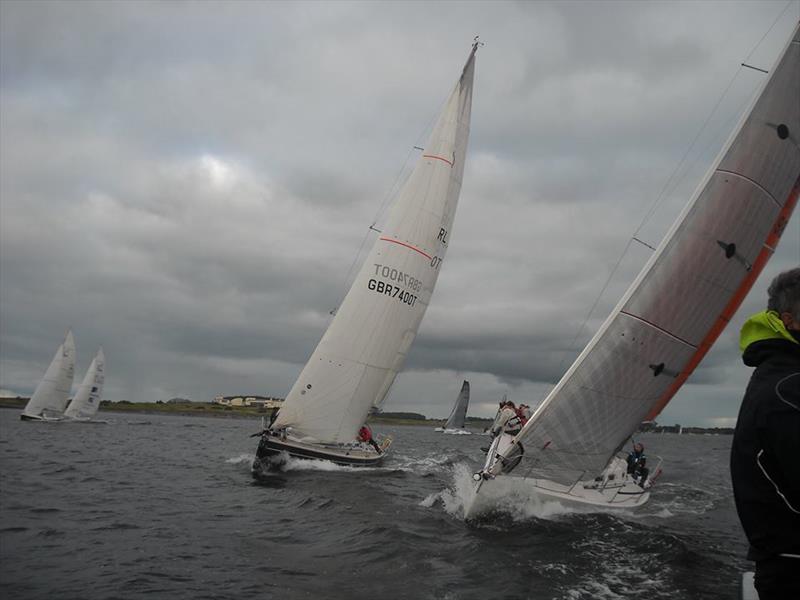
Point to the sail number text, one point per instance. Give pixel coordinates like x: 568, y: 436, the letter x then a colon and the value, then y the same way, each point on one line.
x: 392, y: 291
x: 404, y: 279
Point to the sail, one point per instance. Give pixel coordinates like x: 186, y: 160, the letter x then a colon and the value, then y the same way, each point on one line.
x: 53, y: 390
x: 684, y: 296
x: 87, y: 399
x: 459, y: 412
x: 364, y: 348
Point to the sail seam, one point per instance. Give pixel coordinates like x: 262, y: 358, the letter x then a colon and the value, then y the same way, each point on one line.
x: 409, y: 246
x: 755, y: 183
x: 758, y: 264
x: 438, y: 158
x: 656, y: 327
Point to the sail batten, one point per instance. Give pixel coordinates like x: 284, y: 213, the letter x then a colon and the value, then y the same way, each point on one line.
x: 685, y: 295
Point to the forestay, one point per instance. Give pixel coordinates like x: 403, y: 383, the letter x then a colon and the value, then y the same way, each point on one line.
x: 52, y: 393
x: 358, y: 358
x: 684, y: 296
x: 87, y: 400
x: 458, y: 415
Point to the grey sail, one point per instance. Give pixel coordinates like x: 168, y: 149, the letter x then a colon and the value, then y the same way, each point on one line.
x: 459, y: 413
x: 685, y: 295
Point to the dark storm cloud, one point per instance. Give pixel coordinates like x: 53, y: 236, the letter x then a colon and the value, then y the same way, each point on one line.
x: 188, y: 183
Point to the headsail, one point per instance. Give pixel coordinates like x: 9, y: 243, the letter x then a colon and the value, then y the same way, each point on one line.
x: 684, y: 296
x: 365, y: 345
x: 459, y: 413
x: 52, y: 393
x: 87, y: 400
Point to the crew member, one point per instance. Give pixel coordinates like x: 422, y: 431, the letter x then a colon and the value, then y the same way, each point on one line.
x: 766, y: 442
x: 365, y: 435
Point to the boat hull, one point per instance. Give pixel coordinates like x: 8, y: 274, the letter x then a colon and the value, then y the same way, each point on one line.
x: 44, y: 418
x: 629, y: 495
x: 272, y: 447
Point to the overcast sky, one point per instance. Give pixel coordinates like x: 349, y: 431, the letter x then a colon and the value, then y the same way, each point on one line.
x: 188, y: 184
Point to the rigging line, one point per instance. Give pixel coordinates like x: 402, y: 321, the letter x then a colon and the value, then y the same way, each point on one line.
x: 667, y: 188
x: 771, y: 27
x: 571, y: 348
x: 384, y: 204
x: 415, y: 147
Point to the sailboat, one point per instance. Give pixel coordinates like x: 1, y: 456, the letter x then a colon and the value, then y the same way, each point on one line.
x: 357, y: 359
x: 86, y: 402
x: 455, y: 422
x: 51, y: 395
x: 669, y: 317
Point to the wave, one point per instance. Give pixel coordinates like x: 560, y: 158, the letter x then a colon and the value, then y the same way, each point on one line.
x: 511, y: 496
x: 242, y: 458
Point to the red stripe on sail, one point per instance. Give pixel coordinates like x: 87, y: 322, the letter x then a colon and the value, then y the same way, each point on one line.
x: 727, y: 314
x: 385, y: 239
x: 437, y: 158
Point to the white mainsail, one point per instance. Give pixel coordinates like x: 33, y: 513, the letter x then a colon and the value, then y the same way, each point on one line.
x: 52, y: 393
x: 683, y: 298
x: 364, y: 348
x: 459, y: 413
x: 87, y: 399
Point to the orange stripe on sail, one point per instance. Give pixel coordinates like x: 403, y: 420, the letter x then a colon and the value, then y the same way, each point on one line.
x: 727, y: 314
x: 409, y: 246
x: 449, y: 162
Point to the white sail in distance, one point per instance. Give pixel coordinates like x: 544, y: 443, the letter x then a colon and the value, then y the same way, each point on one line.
x: 365, y: 346
x: 684, y: 296
x: 458, y: 415
x: 87, y: 399
x: 52, y: 393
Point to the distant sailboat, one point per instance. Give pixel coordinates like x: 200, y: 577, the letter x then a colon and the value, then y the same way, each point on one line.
x: 86, y: 402
x: 455, y: 422
x: 669, y: 317
x: 365, y: 346
x: 51, y: 395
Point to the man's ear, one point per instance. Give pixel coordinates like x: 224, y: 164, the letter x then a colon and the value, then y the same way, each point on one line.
x: 788, y: 321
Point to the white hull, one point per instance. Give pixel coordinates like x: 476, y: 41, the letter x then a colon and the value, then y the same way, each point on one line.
x: 626, y: 495
x: 42, y: 418
x: 614, y: 489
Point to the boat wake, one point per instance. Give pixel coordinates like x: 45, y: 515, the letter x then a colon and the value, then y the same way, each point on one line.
x: 513, y: 497
x: 242, y: 458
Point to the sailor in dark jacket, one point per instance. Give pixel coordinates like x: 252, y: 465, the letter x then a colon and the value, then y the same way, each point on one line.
x: 765, y: 457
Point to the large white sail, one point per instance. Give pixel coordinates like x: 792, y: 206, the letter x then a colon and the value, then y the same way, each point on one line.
x: 52, y: 393
x: 365, y: 345
x: 87, y: 399
x: 684, y: 296
x: 458, y: 415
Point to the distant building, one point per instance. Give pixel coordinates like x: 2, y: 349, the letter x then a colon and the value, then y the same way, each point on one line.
x: 259, y: 401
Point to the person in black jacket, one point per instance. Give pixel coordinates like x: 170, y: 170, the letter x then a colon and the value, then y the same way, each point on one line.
x: 765, y: 456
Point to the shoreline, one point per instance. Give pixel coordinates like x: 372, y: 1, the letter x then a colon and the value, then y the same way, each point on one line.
x: 218, y: 411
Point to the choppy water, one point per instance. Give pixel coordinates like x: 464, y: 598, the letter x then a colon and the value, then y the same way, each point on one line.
x: 165, y: 507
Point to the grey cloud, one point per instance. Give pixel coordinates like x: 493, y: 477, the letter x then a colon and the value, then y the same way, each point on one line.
x: 188, y: 184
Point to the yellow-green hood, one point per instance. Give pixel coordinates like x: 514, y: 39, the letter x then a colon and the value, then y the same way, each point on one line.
x: 766, y: 325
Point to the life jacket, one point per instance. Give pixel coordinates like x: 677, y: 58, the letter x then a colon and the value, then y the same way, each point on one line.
x: 364, y: 434
x: 513, y: 425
